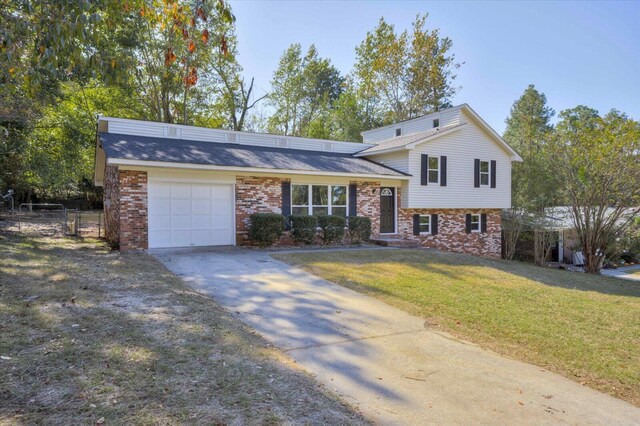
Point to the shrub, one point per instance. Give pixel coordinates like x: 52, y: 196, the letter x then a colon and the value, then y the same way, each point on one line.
x: 629, y: 257
x: 303, y: 228
x: 266, y: 228
x: 332, y: 228
x: 359, y: 229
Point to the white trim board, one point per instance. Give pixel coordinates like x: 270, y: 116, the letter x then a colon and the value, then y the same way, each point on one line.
x: 187, y: 166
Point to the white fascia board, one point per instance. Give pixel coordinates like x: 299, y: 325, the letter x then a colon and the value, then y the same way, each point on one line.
x: 411, y: 145
x: 453, y: 108
x: 514, y: 155
x: 166, y: 164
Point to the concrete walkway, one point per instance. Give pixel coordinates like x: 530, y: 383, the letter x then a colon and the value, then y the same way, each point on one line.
x: 382, y: 360
x: 626, y: 272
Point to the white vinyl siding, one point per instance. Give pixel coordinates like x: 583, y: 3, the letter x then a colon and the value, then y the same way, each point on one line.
x: 461, y: 148
x: 398, y: 160
x: 416, y: 125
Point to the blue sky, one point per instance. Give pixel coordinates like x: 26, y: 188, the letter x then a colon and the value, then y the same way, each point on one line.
x: 575, y: 52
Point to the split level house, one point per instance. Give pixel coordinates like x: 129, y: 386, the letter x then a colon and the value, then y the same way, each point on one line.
x: 439, y: 180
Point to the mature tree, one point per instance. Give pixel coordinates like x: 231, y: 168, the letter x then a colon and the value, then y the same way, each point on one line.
x: 401, y: 76
x: 381, y: 67
x: 348, y: 116
x: 598, y: 160
x: 303, y: 91
x: 431, y: 71
x: 534, y: 182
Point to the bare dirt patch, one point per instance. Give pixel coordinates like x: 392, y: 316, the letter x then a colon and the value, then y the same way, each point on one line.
x: 88, y: 334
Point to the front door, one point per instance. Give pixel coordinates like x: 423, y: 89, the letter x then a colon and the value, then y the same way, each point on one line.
x: 387, y: 210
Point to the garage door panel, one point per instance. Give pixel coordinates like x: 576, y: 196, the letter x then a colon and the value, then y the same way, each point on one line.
x: 160, y: 238
x: 180, y: 206
x: 190, y: 214
x: 201, y: 222
x: 202, y: 207
x: 201, y: 191
x: 181, y: 238
x: 221, y: 221
x: 159, y: 204
x: 160, y: 189
x: 159, y: 221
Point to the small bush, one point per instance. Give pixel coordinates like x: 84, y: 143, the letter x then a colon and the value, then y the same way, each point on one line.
x: 629, y: 257
x: 266, y: 228
x: 332, y: 228
x: 359, y: 229
x: 303, y: 228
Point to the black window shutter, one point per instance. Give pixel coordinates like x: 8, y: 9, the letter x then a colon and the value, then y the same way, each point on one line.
x: 468, y: 224
x: 493, y: 173
x: 416, y: 224
x: 424, y: 167
x: 353, y: 200
x: 443, y: 170
x: 476, y: 173
x: 483, y: 223
x: 286, y: 198
x: 434, y: 224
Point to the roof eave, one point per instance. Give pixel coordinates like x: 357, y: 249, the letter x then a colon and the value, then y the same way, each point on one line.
x: 176, y: 165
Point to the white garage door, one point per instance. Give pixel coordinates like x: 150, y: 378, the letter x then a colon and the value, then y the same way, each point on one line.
x: 190, y: 214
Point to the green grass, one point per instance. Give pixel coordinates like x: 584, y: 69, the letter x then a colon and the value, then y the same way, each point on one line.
x: 88, y: 333
x: 582, y: 326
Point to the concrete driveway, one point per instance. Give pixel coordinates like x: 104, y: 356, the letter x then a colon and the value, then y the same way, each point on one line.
x: 382, y: 360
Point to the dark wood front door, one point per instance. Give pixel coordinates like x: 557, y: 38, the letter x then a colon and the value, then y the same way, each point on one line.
x: 387, y: 210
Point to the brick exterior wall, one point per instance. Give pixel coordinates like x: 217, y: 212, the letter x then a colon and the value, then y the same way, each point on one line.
x: 133, y: 210
x: 111, y: 206
x: 369, y: 204
x: 125, y: 208
x: 452, y: 235
x: 126, y: 214
x: 256, y: 195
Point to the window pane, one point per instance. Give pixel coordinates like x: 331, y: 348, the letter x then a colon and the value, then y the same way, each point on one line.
x: 433, y: 163
x: 433, y: 176
x: 484, y: 179
x: 484, y: 166
x: 300, y: 195
x: 320, y: 211
x: 319, y: 195
x: 339, y: 211
x: 475, y: 222
x: 304, y: 211
x: 339, y: 196
x: 425, y: 223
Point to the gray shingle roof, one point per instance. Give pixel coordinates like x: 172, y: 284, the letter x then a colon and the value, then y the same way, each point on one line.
x: 144, y: 148
x: 401, y: 141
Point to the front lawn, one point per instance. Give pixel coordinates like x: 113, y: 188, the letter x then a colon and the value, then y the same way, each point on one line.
x: 93, y: 336
x: 584, y: 327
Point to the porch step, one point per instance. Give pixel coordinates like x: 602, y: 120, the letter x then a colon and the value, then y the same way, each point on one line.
x: 393, y: 241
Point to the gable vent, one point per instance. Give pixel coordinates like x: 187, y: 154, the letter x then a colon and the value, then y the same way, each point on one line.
x: 327, y: 146
x: 282, y: 142
x: 172, y: 132
x: 232, y: 137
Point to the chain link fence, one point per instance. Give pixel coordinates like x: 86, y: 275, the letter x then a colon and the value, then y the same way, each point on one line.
x: 52, y: 220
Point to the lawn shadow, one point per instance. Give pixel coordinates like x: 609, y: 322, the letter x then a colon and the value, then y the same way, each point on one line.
x: 287, y: 306
x: 122, y: 338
